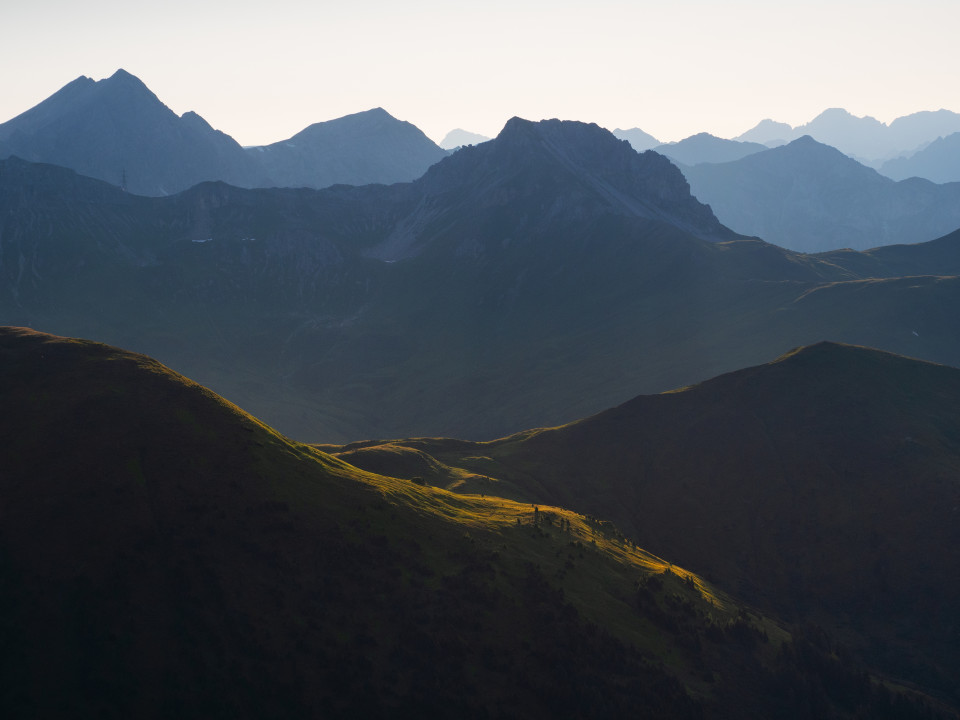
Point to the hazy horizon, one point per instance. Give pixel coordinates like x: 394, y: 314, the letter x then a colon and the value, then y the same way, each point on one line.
x: 672, y: 71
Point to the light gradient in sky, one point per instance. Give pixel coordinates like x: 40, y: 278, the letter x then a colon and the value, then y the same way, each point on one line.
x: 263, y: 71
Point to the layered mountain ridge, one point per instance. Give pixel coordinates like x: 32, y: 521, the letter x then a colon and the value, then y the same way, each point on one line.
x: 117, y: 130
x: 535, y: 278
x: 810, y: 197
x: 864, y: 138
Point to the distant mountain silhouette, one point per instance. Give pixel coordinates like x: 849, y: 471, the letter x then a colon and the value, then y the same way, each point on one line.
x: 768, y: 132
x: 456, y: 138
x: 706, y: 148
x: 939, y: 162
x: 360, y: 149
x: 864, y: 138
x: 637, y: 138
x: 118, y: 131
x: 809, y: 197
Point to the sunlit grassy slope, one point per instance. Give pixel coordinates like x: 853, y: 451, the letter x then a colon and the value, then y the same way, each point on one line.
x: 162, y: 554
x: 822, y: 487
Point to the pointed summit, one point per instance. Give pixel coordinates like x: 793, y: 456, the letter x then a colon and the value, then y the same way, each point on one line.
x: 116, y: 127
x: 122, y: 76
x: 639, y: 139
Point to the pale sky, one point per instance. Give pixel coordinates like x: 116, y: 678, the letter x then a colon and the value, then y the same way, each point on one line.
x: 263, y: 71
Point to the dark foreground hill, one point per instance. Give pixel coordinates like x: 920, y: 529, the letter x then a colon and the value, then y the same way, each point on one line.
x: 822, y: 487
x: 164, y: 554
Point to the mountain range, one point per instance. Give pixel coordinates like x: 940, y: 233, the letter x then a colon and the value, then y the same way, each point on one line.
x: 163, y: 552
x: 534, y: 279
x: 863, y: 138
x: 810, y: 197
x: 939, y: 161
x: 117, y: 130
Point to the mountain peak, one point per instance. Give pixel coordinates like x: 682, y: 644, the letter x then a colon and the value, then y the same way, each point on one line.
x: 122, y: 79
x: 570, y: 172
x: 835, y: 112
x: 122, y: 74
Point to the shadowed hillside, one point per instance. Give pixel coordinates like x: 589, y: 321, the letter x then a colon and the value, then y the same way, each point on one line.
x: 821, y: 486
x: 164, y: 554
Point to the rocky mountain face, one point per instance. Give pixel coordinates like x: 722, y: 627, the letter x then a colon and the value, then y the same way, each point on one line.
x: 538, y: 176
x: 118, y: 131
x: 809, y: 197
